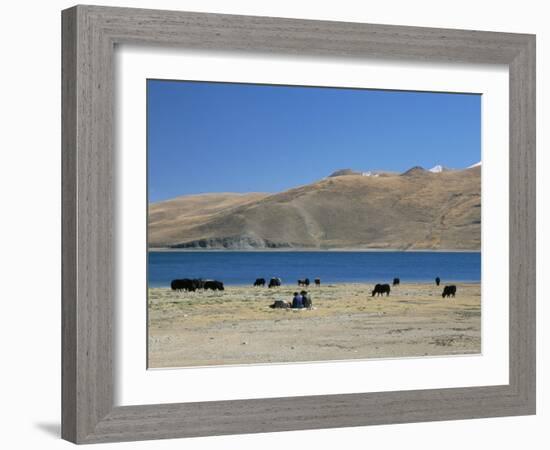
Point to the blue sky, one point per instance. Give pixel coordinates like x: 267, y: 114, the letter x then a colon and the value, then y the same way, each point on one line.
x: 224, y: 137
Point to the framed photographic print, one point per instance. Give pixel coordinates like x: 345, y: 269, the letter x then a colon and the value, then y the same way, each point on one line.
x: 267, y: 222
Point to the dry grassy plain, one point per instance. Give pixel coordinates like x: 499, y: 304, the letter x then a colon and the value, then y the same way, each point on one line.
x: 237, y: 326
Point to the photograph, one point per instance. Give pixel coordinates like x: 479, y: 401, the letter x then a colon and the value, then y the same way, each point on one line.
x: 275, y: 225
x: 291, y: 224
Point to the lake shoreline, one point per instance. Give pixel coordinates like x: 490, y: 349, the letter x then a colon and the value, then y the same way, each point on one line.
x: 312, y: 285
x: 305, y: 250
x: 243, y: 268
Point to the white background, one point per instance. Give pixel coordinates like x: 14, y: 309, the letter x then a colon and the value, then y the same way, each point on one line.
x: 135, y: 385
x: 30, y: 225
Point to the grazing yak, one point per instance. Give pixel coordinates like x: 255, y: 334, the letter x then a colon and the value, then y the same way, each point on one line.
x: 259, y: 282
x: 437, y: 281
x: 304, y: 282
x: 184, y: 284
x: 274, y: 282
x: 396, y: 281
x: 381, y: 289
x: 449, y: 291
x: 214, y: 285
x: 198, y: 283
x: 317, y: 282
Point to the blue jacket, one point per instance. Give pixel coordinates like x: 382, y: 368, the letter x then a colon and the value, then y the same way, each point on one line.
x: 297, y: 301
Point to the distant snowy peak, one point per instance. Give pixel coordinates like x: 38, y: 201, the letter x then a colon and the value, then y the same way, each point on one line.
x: 416, y: 170
x: 438, y: 169
x: 370, y: 173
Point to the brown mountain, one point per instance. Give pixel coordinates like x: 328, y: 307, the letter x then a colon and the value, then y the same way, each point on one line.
x: 416, y: 210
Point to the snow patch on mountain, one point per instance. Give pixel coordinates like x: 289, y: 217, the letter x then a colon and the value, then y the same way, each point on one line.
x: 437, y: 169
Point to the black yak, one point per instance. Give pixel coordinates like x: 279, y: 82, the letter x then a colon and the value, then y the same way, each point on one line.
x: 449, y: 291
x: 214, y: 285
x: 184, y: 284
x: 259, y: 282
x: 381, y: 289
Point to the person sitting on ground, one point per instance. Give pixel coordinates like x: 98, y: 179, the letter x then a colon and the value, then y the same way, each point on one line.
x: 297, y: 301
x: 280, y: 304
x: 306, y: 299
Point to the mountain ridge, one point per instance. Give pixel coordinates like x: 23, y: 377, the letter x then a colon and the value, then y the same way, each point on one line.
x: 422, y: 210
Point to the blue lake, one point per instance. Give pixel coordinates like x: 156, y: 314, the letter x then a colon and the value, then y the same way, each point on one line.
x: 242, y: 268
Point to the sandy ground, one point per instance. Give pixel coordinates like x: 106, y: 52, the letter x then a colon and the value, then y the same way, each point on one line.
x: 237, y: 326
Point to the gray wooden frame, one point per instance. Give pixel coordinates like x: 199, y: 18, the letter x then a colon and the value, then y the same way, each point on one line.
x: 89, y: 36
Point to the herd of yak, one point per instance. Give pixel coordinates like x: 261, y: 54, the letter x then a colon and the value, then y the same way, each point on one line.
x: 188, y: 284
x: 381, y: 289
x: 193, y: 284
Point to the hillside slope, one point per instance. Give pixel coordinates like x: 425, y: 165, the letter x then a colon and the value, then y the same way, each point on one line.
x: 415, y: 210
